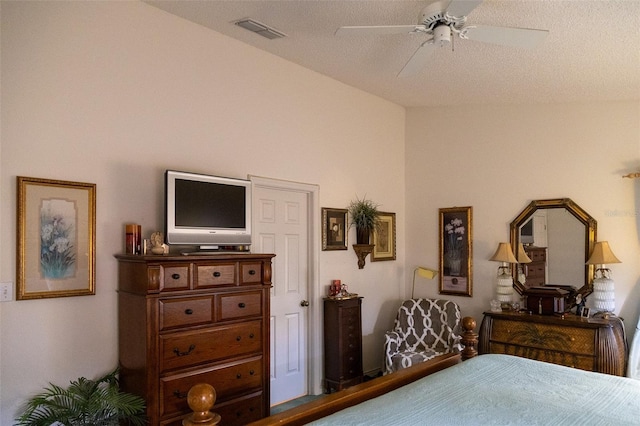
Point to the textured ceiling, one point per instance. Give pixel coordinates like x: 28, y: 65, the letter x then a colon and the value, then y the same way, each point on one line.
x: 592, y: 52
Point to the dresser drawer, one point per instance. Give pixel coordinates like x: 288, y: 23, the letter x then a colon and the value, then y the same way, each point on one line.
x: 535, y: 270
x: 189, y: 348
x: 250, y: 273
x: 544, y: 336
x: 237, y: 412
x: 184, y: 312
x: 538, y: 255
x: 238, y: 305
x: 241, y: 411
x: 221, y: 274
x: 229, y: 381
x: 583, y: 362
x: 175, y: 277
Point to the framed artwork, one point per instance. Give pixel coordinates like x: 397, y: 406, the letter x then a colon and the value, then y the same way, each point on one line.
x: 56, y: 238
x: 334, y: 229
x: 455, y: 251
x: 384, y: 238
x: 585, y: 312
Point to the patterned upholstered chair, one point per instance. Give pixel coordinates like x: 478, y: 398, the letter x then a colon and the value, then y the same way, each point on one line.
x: 423, y: 329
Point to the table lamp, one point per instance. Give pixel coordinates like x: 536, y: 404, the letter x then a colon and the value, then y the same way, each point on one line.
x: 522, y: 257
x: 423, y: 272
x: 603, y: 285
x: 504, y: 289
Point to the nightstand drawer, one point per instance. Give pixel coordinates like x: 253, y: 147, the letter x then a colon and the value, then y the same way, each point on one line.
x: 189, y: 348
x: 238, y: 305
x: 185, y: 312
x: 232, y: 380
x: 216, y: 275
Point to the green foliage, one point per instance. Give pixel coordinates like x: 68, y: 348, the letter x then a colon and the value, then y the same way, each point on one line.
x: 85, y: 402
x: 364, y: 213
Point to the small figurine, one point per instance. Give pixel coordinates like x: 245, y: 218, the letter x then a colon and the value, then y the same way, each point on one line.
x: 157, y: 243
x: 580, y: 302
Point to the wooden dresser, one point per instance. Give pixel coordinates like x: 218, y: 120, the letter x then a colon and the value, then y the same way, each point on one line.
x: 184, y: 320
x: 342, y: 343
x: 585, y: 343
x: 536, y: 271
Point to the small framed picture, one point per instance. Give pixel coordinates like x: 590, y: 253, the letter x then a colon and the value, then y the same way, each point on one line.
x: 585, y: 312
x: 384, y: 238
x: 334, y: 229
x: 56, y: 238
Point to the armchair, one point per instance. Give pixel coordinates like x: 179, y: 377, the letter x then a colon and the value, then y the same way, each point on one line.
x: 423, y: 329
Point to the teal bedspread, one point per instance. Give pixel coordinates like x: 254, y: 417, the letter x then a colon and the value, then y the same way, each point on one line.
x: 502, y: 390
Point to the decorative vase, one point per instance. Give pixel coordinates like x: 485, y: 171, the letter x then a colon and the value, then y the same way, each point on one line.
x: 362, y: 235
x: 454, y: 267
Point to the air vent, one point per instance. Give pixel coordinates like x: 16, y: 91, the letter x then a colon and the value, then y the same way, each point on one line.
x: 260, y: 29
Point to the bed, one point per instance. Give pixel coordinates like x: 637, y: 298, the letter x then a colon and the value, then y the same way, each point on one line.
x: 489, y: 389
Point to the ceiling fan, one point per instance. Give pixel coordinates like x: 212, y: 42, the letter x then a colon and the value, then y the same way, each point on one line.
x: 440, y: 20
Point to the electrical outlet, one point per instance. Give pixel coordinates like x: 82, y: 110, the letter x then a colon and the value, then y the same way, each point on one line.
x: 6, y: 292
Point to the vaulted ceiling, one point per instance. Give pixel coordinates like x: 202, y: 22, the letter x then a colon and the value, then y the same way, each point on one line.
x: 592, y: 51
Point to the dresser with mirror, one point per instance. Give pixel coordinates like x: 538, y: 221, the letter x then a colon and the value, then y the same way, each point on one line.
x: 563, y: 235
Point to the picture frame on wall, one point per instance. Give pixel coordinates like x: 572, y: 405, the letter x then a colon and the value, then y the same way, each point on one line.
x: 55, y: 238
x: 384, y: 238
x: 456, y: 251
x: 334, y: 229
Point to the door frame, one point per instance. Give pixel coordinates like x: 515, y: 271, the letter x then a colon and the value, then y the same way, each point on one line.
x: 314, y: 341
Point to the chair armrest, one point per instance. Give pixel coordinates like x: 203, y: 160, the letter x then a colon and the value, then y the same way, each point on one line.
x: 391, y: 346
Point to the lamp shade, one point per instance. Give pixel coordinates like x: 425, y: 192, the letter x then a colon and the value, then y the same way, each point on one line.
x: 602, y: 254
x: 423, y: 272
x: 522, y: 255
x: 426, y: 272
x: 504, y: 254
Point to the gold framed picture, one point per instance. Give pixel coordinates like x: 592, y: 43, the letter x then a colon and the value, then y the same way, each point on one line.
x: 334, y: 229
x: 456, y: 251
x: 384, y: 238
x: 56, y: 238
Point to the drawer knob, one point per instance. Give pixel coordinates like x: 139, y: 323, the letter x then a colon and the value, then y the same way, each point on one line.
x: 178, y: 353
x: 251, y: 336
x: 216, y: 274
x: 251, y: 372
x: 238, y: 338
x: 175, y: 276
x: 238, y: 376
x: 241, y: 305
x: 180, y: 395
x: 188, y: 311
x: 252, y: 272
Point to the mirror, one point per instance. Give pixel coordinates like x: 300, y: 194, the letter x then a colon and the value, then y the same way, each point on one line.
x: 568, y: 234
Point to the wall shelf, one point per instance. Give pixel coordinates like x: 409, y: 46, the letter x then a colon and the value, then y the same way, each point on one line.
x: 362, y: 250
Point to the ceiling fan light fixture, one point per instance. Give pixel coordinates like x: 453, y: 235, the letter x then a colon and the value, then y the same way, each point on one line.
x: 442, y: 35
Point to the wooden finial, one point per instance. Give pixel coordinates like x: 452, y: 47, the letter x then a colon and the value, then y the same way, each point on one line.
x: 632, y: 175
x: 201, y: 398
x: 469, y: 338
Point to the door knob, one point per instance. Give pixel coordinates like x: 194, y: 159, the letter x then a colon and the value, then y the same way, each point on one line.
x: 304, y: 303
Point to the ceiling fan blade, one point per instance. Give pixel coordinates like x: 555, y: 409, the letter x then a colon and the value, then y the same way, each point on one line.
x: 515, y: 37
x: 460, y: 8
x: 379, y: 29
x: 419, y: 59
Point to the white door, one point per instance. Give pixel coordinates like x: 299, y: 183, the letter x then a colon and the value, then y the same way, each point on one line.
x: 281, y: 226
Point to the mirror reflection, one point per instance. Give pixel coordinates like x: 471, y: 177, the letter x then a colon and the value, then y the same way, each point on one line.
x: 558, y: 237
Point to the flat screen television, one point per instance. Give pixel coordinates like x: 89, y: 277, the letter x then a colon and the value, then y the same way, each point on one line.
x: 211, y: 212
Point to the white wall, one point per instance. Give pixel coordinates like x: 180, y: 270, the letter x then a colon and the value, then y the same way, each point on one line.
x: 498, y: 159
x: 113, y: 93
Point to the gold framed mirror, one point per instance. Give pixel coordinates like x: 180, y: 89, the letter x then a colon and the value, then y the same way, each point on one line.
x: 567, y: 232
